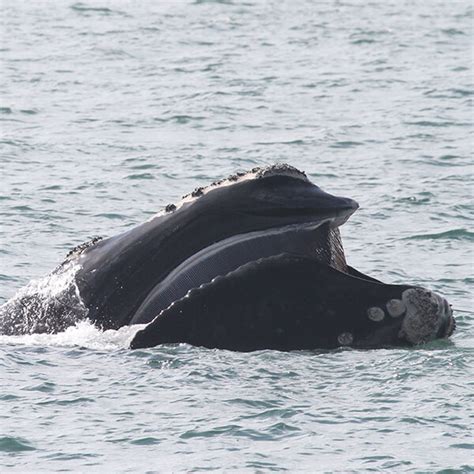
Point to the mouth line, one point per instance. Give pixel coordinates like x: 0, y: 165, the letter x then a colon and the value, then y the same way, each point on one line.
x: 295, y: 227
x: 303, y: 212
x: 278, y: 219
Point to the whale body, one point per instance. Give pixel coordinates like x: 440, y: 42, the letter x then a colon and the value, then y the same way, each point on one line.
x: 251, y: 262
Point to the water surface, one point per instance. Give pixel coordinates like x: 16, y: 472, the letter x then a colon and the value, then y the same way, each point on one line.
x: 110, y: 110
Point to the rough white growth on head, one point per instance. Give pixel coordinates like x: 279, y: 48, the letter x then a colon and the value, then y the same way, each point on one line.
x: 345, y: 338
x: 424, y: 315
x: 375, y: 313
x: 255, y: 173
x: 396, y: 308
x: 280, y: 169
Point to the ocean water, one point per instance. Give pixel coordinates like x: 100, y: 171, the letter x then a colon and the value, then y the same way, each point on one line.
x: 110, y: 110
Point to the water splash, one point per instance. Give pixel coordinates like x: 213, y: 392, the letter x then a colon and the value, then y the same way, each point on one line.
x: 83, y: 334
x: 49, y: 304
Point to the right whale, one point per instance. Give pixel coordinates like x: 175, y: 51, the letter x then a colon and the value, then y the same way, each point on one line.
x: 251, y: 262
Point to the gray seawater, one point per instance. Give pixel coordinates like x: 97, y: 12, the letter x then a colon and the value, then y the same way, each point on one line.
x: 110, y: 110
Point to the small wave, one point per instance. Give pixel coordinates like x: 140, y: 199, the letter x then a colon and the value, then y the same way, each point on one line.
x: 364, y: 41
x: 83, y: 334
x: 451, y: 93
x: 145, y: 166
x: 452, y: 31
x: 441, y: 123
x: 86, y: 9
x: 9, y: 444
x: 110, y: 215
x: 454, y: 234
x: 289, y: 142
x: 140, y: 176
x: 462, y: 92
x: 149, y: 440
x: 345, y: 144
x: 222, y: 2
x: 181, y: 119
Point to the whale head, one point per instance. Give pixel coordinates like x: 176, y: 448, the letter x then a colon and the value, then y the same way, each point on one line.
x: 275, y: 196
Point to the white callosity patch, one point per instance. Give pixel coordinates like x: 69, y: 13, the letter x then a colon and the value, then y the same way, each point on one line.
x: 375, y: 313
x: 425, y: 312
x: 345, y: 338
x: 396, y: 308
x: 255, y: 173
x: 280, y: 169
x: 49, y: 304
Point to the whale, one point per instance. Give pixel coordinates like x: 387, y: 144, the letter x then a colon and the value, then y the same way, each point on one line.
x: 254, y: 261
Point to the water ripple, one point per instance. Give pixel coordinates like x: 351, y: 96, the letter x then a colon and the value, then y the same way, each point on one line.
x: 109, y: 111
x: 10, y: 444
x: 454, y: 234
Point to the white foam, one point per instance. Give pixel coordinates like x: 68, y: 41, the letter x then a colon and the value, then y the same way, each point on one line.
x: 83, y: 334
x: 52, y: 284
x: 43, y: 305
